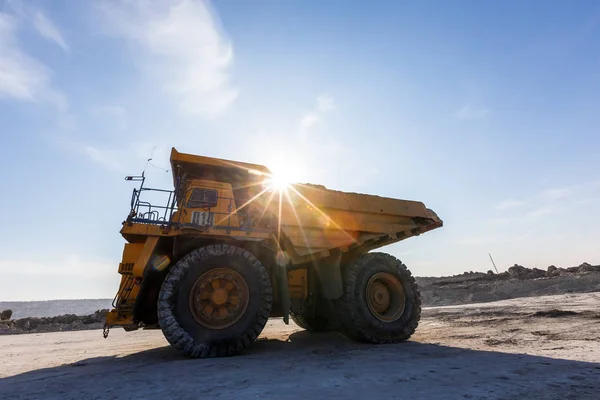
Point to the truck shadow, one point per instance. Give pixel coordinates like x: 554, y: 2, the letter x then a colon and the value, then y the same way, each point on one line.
x: 309, y: 365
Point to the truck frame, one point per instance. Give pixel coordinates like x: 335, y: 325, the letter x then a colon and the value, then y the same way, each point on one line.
x: 229, y: 248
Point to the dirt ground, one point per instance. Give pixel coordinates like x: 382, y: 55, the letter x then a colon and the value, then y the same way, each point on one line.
x: 510, y: 349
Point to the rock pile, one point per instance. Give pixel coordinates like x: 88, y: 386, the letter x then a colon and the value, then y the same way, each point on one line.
x: 515, y: 273
x: 5, y: 315
x: 580, y: 269
x: 69, y: 322
x: 518, y: 281
x: 520, y: 272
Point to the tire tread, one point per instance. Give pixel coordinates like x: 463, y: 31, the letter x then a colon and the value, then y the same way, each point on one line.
x: 349, y: 311
x: 182, y: 340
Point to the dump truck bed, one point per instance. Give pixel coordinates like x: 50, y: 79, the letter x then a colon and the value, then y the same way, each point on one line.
x: 318, y: 219
x: 314, y: 220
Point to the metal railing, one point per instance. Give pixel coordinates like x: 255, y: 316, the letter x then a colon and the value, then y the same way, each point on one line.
x: 146, y: 212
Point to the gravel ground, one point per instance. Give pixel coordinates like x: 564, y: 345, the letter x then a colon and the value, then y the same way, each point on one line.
x: 512, y: 349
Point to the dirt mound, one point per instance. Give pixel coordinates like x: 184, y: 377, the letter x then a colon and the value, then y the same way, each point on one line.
x: 515, y: 272
x: 517, y: 281
x: 69, y: 322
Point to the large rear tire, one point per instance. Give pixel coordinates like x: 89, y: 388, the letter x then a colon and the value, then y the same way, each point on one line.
x: 381, y: 301
x: 215, y: 301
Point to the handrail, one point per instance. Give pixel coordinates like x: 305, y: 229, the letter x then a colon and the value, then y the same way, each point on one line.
x: 152, y: 212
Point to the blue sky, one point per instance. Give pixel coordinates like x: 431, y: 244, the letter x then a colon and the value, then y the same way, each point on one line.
x: 489, y: 112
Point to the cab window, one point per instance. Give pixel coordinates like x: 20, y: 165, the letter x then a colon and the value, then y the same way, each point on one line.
x: 202, y: 198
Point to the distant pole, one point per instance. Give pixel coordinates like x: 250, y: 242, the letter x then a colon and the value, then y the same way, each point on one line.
x: 493, y: 263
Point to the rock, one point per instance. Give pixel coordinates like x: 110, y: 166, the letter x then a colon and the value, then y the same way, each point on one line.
x: 518, y: 271
x: 34, y: 322
x: 585, y: 267
x: 490, y: 272
x: 101, y: 315
x: 89, y: 319
x: 6, y: 327
x: 5, y: 315
x: 22, y: 324
x: 64, y: 319
x: 503, y: 275
x: 552, y: 268
x: 98, y: 316
x: 553, y: 272
x: 536, y: 273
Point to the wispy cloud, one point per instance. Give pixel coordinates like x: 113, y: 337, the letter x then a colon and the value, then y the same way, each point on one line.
x: 469, y: 111
x: 105, y: 157
x: 324, y: 104
x: 557, y: 193
x: 48, y: 30
x: 42, y: 24
x: 549, y: 201
x: 541, y: 211
x: 587, y: 201
x: 108, y: 158
x: 182, y: 48
x: 308, y: 121
x: 580, y: 193
x: 508, y: 204
x: 124, y: 159
x: 300, y: 155
x: 21, y: 76
x: 502, y: 220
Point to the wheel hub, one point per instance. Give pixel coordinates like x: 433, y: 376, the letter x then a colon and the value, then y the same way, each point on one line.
x: 385, y: 297
x: 219, y: 298
x: 380, y: 297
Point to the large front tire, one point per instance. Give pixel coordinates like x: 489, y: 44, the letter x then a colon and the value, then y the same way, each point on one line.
x: 381, y: 301
x: 215, y: 301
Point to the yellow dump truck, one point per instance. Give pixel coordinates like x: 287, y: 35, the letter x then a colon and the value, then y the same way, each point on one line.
x: 230, y: 246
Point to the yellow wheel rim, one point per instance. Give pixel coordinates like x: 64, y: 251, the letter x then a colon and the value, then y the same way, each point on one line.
x: 219, y: 298
x: 385, y: 297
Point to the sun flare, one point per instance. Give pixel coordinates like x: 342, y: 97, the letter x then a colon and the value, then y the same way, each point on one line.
x: 279, y: 182
x: 283, y: 175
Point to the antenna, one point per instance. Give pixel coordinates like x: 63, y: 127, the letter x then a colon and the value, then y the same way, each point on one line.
x: 149, y: 162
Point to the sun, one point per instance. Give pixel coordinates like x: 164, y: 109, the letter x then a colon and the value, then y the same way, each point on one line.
x: 279, y: 182
x: 283, y: 175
